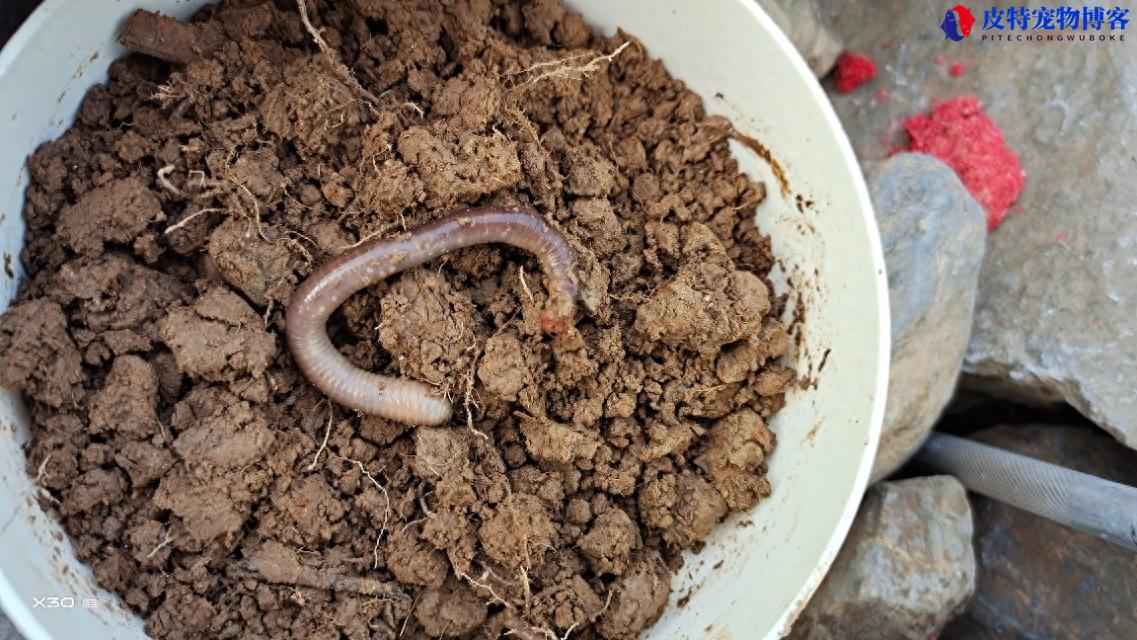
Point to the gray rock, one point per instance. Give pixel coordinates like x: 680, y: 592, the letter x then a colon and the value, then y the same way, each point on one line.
x: 905, y: 569
x: 7, y: 631
x: 934, y: 235
x: 812, y: 38
x: 1058, y: 292
x: 1038, y: 579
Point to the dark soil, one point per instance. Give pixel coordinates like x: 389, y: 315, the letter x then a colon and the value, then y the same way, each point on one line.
x: 184, y: 453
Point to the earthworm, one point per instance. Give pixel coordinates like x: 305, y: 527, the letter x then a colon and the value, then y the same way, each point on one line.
x: 325, y: 290
x: 1095, y: 505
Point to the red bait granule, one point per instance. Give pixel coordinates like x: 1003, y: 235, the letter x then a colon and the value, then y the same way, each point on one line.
x: 956, y: 69
x: 853, y: 70
x: 939, y: 58
x: 959, y: 133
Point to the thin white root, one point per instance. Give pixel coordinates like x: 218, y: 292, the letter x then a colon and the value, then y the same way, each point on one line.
x: 165, y: 182
x: 200, y: 177
x: 526, y: 633
x: 524, y: 284
x: 422, y: 503
x: 363, y: 239
x: 324, y: 444
x: 386, y: 506
x: 256, y: 209
x: 417, y: 109
x: 564, y: 69
x: 186, y: 220
x: 337, y: 66
x: 607, y: 603
x: 296, y: 246
x: 494, y: 597
x: 165, y: 94
x: 525, y: 579
x: 320, y: 42
x: 468, y: 402
x: 411, y: 524
x: 161, y: 545
x: 408, y: 618
x: 267, y: 317
x: 41, y: 473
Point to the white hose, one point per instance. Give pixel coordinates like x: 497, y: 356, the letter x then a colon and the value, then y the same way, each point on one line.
x: 1095, y: 505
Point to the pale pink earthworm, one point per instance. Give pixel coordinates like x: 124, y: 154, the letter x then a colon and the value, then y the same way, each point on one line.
x: 325, y: 290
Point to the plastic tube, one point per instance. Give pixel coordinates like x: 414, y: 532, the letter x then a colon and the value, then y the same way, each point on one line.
x: 1095, y: 505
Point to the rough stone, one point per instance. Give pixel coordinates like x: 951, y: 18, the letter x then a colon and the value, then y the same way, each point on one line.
x: 7, y: 630
x: 813, y: 39
x: 933, y: 234
x: 1039, y: 579
x: 1058, y: 291
x: 906, y: 567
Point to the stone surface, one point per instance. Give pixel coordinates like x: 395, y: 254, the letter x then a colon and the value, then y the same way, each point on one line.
x: 7, y: 631
x: 933, y: 234
x: 1058, y: 292
x: 906, y: 567
x: 1038, y: 579
x: 815, y: 41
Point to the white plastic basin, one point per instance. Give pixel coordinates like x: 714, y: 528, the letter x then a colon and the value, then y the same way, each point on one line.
x: 758, y: 570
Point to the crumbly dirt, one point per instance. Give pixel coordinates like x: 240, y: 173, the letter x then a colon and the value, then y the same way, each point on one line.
x: 220, y: 495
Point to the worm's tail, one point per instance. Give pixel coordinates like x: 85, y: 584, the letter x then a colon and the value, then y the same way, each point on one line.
x: 1101, y: 507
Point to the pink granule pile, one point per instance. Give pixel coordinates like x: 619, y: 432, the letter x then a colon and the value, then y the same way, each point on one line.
x: 959, y: 133
x: 853, y: 70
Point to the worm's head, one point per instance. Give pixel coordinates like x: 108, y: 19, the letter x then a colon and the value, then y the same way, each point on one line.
x: 558, y: 313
